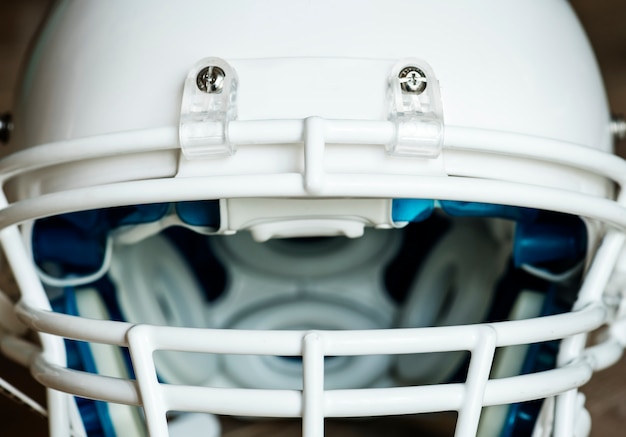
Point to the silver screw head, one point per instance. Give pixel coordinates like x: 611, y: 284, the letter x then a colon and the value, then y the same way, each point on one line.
x: 618, y: 127
x: 211, y: 79
x: 412, y: 80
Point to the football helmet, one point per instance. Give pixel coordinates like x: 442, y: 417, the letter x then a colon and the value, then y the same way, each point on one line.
x: 313, y: 209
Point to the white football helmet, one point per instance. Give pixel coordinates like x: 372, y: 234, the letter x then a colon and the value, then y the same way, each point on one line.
x: 313, y: 209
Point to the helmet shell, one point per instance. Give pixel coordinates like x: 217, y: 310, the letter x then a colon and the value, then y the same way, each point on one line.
x: 520, y: 66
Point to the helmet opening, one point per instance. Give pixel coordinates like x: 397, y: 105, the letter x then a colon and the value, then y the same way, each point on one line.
x: 454, y: 263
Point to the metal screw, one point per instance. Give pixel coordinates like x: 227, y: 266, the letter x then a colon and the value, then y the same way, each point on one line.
x: 618, y: 127
x: 6, y: 126
x: 211, y: 79
x: 412, y: 80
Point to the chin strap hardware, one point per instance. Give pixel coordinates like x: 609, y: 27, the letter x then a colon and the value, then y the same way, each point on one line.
x: 209, y: 104
x: 416, y: 110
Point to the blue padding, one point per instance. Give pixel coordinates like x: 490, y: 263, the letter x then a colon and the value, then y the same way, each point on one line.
x: 541, y: 237
x: 411, y: 210
x: 200, y: 213
x: 136, y: 214
x: 92, y: 221
x: 68, y: 245
x: 95, y: 414
x: 537, y: 243
x: 76, y: 242
x: 477, y: 209
x: 522, y: 417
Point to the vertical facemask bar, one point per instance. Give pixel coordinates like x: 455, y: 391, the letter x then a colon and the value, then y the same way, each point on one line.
x: 141, y: 351
x: 314, y: 143
x: 313, y: 393
x: 59, y: 404
x: 477, y: 376
x: 592, y: 289
x: 314, y: 346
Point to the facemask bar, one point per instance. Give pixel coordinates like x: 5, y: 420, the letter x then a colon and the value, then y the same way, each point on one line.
x: 593, y: 315
x: 468, y: 183
x: 464, y: 183
x: 466, y: 398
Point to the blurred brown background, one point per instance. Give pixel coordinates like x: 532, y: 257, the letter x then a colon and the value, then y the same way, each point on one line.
x: 605, y: 21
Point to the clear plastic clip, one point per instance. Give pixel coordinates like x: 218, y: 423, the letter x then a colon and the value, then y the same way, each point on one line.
x: 416, y: 110
x: 209, y: 104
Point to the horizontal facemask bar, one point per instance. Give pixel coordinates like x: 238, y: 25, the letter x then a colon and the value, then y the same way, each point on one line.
x: 518, y: 331
x: 510, y: 148
x: 348, y: 132
x: 466, y: 398
x: 288, y: 343
x: 462, y: 183
x: 507, y: 333
x: 463, y: 189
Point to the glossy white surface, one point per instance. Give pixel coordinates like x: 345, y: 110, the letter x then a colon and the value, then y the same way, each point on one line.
x: 493, y: 61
